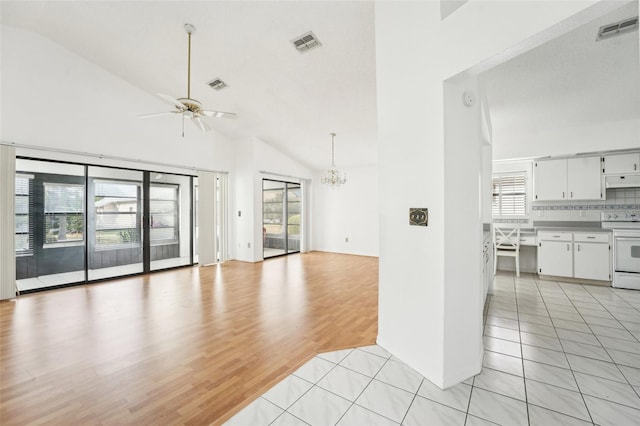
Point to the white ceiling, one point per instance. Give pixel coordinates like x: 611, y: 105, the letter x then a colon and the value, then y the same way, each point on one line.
x: 290, y: 100
x: 569, y: 82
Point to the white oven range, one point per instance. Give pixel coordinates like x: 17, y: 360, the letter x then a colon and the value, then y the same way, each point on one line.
x: 626, y: 246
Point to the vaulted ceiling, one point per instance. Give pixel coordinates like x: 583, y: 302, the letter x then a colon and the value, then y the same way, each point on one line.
x: 293, y: 101
x: 288, y: 99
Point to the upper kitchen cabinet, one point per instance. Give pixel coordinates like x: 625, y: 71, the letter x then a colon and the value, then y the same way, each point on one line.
x: 568, y: 179
x: 619, y: 164
x: 584, y: 178
x: 550, y: 180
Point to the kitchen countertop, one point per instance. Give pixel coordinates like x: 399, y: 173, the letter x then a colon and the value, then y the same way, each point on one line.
x: 570, y: 229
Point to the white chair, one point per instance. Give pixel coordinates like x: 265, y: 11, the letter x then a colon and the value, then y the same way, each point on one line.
x: 506, y: 242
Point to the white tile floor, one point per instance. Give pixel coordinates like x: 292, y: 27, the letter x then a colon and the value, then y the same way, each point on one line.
x: 555, y: 354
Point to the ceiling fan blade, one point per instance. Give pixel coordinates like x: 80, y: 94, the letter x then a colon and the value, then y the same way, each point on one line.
x: 219, y: 114
x: 201, y: 124
x: 173, y: 101
x: 158, y: 114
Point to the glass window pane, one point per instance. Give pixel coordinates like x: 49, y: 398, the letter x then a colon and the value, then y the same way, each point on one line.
x: 63, y: 227
x: 162, y: 206
x: 22, y: 205
x: 116, y: 220
x: 163, y: 220
x: 116, y: 205
x: 116, y: 189
x: 117, y: 237
x: 163, y: 192
x: 22, y: 223
x: 63, y: 198
x: 22, y: 242
x: 162, y: 234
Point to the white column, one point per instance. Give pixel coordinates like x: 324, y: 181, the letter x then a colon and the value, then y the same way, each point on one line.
x: 7, y: 222
x: 206, y: 218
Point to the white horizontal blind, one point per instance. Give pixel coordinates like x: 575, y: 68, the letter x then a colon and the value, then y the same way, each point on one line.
x: 63, y: 212
x: 117, y: 206
x: 509, y: 194
x: 163, y: 205
x: 23, y: 209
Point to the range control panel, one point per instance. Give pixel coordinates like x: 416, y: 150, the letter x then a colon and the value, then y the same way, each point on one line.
x: 621, y: 216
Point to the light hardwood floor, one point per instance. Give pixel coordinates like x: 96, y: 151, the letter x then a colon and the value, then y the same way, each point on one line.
x: 188, y: 346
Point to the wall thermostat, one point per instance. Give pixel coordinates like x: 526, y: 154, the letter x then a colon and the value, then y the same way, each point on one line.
x: 468, y: 98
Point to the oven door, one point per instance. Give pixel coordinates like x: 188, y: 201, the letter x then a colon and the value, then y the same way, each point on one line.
x: 627, y: 254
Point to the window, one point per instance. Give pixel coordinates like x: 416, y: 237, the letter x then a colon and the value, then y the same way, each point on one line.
x: 117, y: 207
x: 510, y: 194
x: 163, y: 206
x: 24, y: 204
x: 63, y: 213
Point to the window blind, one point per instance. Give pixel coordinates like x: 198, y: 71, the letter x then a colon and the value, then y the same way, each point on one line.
x: 23, y: 211
x: 63, y: 212
x: 509, y: 194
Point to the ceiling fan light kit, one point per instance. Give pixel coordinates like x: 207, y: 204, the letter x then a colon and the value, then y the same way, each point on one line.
x: 188, y: 107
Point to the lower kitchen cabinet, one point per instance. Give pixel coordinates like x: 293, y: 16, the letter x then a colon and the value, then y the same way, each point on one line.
x: 575, y: 255
x: 555, y: 258
x: 591, y: 261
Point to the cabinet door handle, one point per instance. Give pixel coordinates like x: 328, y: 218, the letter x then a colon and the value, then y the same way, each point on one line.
x: 578, y: 247
x: 567, y: 247
x: 591, y: 237
x: 571, y: 194
x: 562, y: 194
x: 635, y: 166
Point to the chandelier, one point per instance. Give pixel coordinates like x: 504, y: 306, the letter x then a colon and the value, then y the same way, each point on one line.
x: 333, y: 177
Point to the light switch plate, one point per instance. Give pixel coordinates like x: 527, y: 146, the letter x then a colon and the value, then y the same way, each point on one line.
x: 418, y: 216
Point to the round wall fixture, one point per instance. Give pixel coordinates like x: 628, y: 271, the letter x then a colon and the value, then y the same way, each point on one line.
x: 468, y: 98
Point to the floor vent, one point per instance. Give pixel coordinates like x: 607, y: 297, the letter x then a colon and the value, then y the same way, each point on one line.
x: 617, y: 28
x: 217, y: 84
x: 306, y: 42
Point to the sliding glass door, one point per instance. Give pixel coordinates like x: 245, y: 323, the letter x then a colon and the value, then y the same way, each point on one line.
x: 281, y: 216
x: 77, y: 223
x: 115, y: 222
x: 170, y: 220
x: 50, y: 224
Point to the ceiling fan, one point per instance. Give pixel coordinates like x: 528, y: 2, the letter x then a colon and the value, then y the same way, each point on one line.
x: 188, y: 107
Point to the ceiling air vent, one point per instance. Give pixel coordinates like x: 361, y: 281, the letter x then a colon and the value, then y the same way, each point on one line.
x: 617, y: 28
x: 306, y: 42
x: 217, y: 84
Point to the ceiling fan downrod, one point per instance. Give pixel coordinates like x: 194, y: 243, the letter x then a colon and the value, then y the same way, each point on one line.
x: 190, y: 29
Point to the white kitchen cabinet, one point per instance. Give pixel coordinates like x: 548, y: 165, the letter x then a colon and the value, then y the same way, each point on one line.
x: 583, y: 255
x: 550, y: 180
x: 591, y: 261
x: 555, y: 258
x: 568, y: 179
x: 584, y: 178
x: 620, y: 164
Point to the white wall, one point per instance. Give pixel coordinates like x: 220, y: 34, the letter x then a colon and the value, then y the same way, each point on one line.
x: 350, y: 211
x: 253, y: 157
x: 413, y: 293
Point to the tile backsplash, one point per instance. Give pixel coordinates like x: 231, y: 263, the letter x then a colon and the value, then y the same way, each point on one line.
x: 617, y: 199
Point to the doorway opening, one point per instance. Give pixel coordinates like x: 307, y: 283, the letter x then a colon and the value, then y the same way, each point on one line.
x: 281, y: 217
